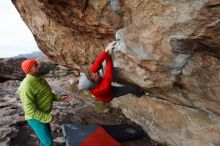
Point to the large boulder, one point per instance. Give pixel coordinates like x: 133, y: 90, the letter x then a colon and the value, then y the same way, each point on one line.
x: 170, y: 48
x: 10, y: 69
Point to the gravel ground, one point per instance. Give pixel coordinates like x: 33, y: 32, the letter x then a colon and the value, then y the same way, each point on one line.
x: 14, y: 130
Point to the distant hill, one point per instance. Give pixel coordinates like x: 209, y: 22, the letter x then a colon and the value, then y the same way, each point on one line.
x: 33, y: 55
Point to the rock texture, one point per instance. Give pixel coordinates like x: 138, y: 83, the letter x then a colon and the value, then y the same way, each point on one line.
x: 15, y: 131
x: 170, y: 48
x: 10, y: 69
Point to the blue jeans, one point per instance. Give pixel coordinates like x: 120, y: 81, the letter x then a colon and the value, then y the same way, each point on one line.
x: 42, y: 131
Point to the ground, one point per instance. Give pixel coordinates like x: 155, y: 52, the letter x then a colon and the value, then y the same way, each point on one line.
x: 16, y: 132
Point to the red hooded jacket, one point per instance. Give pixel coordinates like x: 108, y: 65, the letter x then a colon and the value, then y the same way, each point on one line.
x: 103, y: 91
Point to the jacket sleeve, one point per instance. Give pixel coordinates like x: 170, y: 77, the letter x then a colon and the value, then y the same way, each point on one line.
x: 56, y: 97
x: 98, y: 62
x: 105, y: 84
x: 28, y: 101
x: 108, y: 70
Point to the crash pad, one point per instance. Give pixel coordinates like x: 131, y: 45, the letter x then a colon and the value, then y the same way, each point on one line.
x: 99, y: 135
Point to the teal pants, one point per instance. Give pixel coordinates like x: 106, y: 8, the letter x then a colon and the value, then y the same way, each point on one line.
x: 42, y: 131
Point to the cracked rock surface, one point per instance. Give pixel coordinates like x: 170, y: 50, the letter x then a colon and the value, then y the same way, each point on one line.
x: 170, y: 48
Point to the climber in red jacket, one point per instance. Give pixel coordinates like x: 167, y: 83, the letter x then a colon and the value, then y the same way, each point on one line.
x: 101, y: 87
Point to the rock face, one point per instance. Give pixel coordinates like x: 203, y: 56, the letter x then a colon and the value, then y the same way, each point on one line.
x: 170, y: 48
x: 10, y: 69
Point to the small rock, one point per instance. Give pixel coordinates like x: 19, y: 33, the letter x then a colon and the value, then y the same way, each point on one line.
x: 73, y: 80
x: 59, y: 140
x: 33, y: 135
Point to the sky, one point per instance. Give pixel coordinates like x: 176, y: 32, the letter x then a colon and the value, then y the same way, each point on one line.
x: 15, y: 36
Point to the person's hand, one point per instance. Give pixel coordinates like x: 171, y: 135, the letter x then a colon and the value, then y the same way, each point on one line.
x: 110, y: 46
x: 55, y: 120
x: 65, y: 98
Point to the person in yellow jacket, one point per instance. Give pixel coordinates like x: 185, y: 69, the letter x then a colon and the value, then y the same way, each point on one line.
x: 37, y: 101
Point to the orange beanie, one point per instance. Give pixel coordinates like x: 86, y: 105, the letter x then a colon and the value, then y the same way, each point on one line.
x: 27, y: 64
